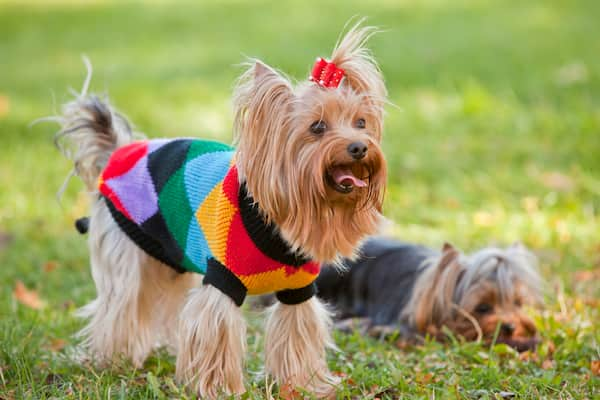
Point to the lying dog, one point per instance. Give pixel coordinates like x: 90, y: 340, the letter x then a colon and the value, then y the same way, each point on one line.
x: 416, y: 291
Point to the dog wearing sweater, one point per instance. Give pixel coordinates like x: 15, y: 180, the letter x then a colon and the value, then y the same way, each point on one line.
x: 411, y: 290
x: 181, y: 230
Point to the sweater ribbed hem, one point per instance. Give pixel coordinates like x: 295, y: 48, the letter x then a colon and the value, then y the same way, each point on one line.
x: 152, y: 247
x: 224, y: 280
x: 296, y: 296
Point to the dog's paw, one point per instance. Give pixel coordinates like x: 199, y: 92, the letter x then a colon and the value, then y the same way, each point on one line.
x: 351, y: 325
x: 326, y: 388
x: 383, y: 332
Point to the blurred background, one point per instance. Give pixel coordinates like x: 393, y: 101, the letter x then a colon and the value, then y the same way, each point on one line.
x: 495, y: 137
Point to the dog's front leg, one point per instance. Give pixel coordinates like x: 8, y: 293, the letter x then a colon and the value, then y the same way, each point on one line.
x: 212, y: 341
x: 296, y: 339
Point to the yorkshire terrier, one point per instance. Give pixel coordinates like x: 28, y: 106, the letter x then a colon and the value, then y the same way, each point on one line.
x: 181, y: 230
x: 414, y: 291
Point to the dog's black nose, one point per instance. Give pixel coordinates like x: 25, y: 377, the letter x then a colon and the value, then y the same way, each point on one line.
x: 357, y: 150
x: 507, y: 328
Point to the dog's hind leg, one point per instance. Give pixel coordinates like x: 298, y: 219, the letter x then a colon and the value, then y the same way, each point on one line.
x: 165, y: 294
x: 119, y: 318
x: 296, y: 339
x: 212, y: 342
x: 162, y: 296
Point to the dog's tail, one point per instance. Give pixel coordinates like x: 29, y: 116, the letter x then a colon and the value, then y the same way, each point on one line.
x: 90, y: 131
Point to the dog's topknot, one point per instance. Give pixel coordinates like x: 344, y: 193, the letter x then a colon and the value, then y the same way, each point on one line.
x: 362, y: 71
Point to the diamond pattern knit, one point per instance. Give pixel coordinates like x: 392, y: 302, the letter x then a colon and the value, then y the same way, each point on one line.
x: 180, y: 200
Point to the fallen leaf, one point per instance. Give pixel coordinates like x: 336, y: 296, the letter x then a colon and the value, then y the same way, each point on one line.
x: 527, y: 356
x: 344, y: 377
x: 587, y: 275
x: 68, y: 304
x: 57, y: 344
x: 547, y: 364
x: 557, y: 181
x: 288, y: 392
x: 52, y: 379
x: 595, y: 367
x: 30, y: 298
x: 50, y: 266
x: 424, y: 379
x: 4, y: 105
x: 592, y: 302
x: 402, y: 344
x: 5, y: 239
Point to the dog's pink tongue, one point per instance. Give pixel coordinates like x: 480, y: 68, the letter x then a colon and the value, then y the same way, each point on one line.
x: 344, y: 176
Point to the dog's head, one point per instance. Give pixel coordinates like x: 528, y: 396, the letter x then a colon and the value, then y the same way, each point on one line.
x: 310, y: 154
x: 480, y: 296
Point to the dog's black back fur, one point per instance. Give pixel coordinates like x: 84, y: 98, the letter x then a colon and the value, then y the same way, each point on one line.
x: 378, y: 285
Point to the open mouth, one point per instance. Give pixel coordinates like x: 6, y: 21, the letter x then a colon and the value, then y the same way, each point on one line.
x: 344, y: 178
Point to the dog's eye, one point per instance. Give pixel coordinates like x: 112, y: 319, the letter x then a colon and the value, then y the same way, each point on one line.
x: 318, y: 127
x: 360, y: 123
x: 483, y: 308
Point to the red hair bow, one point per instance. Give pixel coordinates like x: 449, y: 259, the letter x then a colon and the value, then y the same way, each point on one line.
x: 326, y: 73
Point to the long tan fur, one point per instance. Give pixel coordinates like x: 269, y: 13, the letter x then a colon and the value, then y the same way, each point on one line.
x: 295, y: 342
x: 284, y: 165
x: 450, y: 288
x: 212, y: 344
x: 142, y: 303
x: 138, y: 298
x: 91, y: 131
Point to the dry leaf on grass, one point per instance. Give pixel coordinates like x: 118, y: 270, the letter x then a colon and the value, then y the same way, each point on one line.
x: 5, y: 239
x: 344, y: 377
x: 424, y: 379
x: 57, y: 344
x: 595, y: 367
x: 288, y: 392
x: 30, y: 298
x: 528, y: 355
x: 50, y: 266
x: 557, y: 181
x: 587, y: 275
x: 68, y: 304
x: 4, y: 105
x: 547, y: 364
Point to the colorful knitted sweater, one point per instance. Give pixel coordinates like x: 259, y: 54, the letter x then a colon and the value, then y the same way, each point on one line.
x: 181, y: 201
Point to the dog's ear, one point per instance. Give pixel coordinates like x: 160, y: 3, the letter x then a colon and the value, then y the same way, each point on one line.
x: 262, y: 70
x: 449, y: 255
x: 433, y: 295
x: 261, y: 100
x: 260, y: 96
x: 447, y: 247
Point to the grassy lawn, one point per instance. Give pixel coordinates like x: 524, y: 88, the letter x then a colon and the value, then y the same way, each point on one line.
x: 496, y: 138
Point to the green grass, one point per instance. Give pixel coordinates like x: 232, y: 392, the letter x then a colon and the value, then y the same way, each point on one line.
x: 496, y: 138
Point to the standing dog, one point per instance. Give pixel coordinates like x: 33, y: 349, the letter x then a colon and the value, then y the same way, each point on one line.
x: 416, y: 291
x: 304, y: 186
